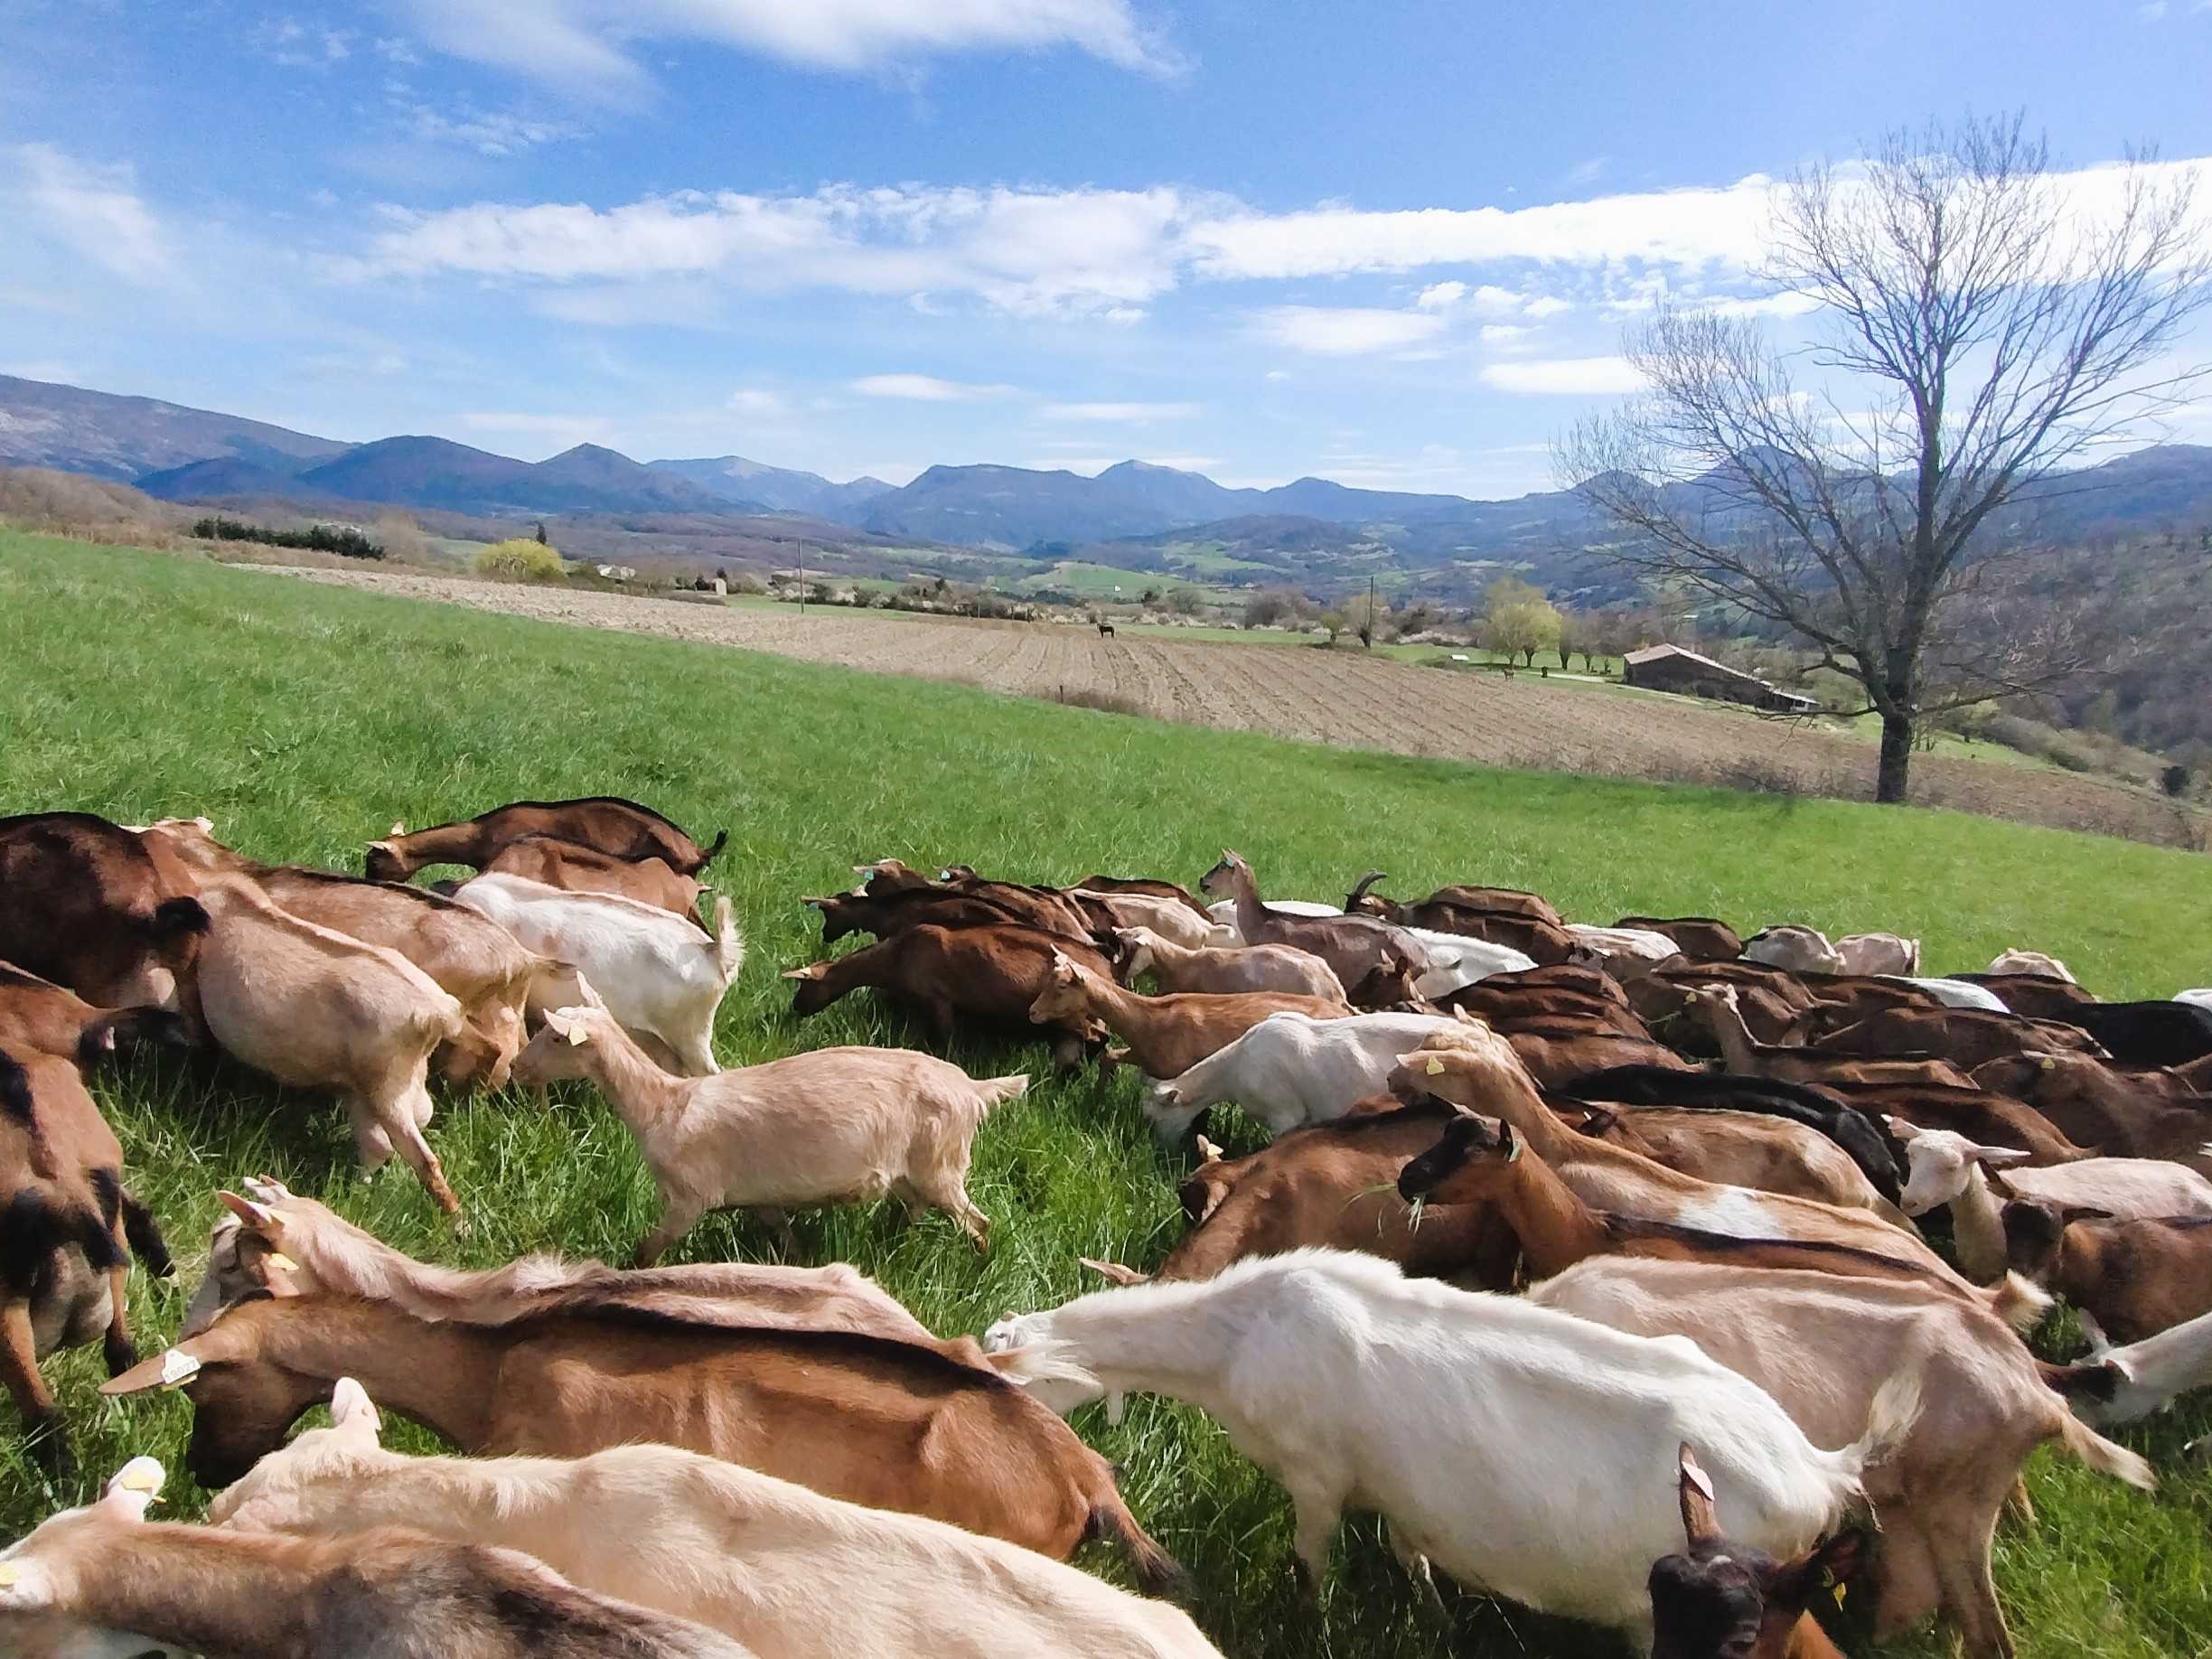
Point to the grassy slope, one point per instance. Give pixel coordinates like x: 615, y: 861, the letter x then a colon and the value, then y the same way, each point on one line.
x: 304, y: 720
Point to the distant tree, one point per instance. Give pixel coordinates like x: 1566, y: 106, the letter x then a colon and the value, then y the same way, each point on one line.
x: 2175, y: 780
x: 542, y: 535
x: 1149, y: 596
x: 1982, y: 332
x: 1333, y: 623
x: 1272, y: 607
x: 1518, y: 621
x: 520, y: 558
x: 1185, y: 601
x: 402, y: 540
x: 1574, y: 638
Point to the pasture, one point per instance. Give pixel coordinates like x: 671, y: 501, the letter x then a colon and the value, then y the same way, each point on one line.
x: 303, y: 719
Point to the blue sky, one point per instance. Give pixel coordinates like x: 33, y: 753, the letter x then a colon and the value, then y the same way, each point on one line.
x: 1394, y: 244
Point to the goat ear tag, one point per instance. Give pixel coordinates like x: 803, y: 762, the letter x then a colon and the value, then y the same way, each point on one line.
x: 10, y: 1575
x: 1699, y: 1479
x: 282, y: 1262
x: 1435, y: 1067
x: 139, y: 1478
x: 178, y: 1368
x: 577, y: 1036
x: 1837, y: 1589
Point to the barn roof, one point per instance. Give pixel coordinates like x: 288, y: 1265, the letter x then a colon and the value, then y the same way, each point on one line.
x: 1661, y: 654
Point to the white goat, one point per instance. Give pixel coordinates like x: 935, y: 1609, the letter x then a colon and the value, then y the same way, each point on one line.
x: 1878, y: 953
x: 836, y: 1123
x: 1291, y: 1069
x: 2201, y: 999
x: 1635, y: 944
x: 2030, y: 963
x: 1519, y: 1448
x: 789, y: 1573
x: 1222, y: 970
x: 319, y: 1009
x: 1955, y: 993
x: 1227, y: 933
x: 1945, y: 1168
x: 1801, y: 950
x: 651, y: 967
x: 1455, y: 960
x: 2153, y: 1371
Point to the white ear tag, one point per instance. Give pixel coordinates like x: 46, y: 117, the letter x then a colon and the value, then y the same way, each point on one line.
x: 577, y: 1036
x: 1434, y: 1066
x: 1699, y: 1479
x: 178, y: 1368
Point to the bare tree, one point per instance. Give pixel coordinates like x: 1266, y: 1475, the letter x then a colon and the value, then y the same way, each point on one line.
x: 1979, y: 331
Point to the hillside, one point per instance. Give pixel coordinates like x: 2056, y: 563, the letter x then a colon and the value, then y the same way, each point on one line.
x: 753, y: 486
x: 43, y: 424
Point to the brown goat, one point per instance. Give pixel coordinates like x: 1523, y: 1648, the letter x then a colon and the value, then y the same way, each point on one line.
x: 1702, y: 939
x: 2036, y: 996
x: 1504, y: 1005
x: 1147, y: 889
x: 1722, y: 1006
x: 42, y: 1017
x: 989, y: 976
x: 2122, y: 1114
x: 898, y: 909
x: 1748, y: 1148
x: 1967, y: 1038
x: 618, y: 827
x: 1167, y: 1034
x: 1436, y: 911
x: 889, y: 1424
x: 574, y: 868
x: 67, y: 1228
x: 85, y: 903
x: 2134, y: 1278
x: 1557, y: 1052
x: 1985, y: 1117
x: 1354, y: 947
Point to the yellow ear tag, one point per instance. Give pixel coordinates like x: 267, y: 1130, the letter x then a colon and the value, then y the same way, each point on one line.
x: 577, y: 1036
x: 178, y: 1368
x: 1837, y: 1592
x: 140, y: 1480
x: 1434, y: 1066
x: 9, y: 1575
x: 283, y: 1263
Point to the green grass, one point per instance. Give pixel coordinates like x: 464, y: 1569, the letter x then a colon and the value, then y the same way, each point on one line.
x: 304, y: 719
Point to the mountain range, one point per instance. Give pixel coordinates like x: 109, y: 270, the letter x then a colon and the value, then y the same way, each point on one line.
x: 1128, y: 515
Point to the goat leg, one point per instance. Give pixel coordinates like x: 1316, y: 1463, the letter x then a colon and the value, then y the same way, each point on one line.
x: 34, y: 1402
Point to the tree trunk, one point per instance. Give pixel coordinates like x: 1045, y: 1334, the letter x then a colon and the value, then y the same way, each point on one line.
x: 1896, y: 742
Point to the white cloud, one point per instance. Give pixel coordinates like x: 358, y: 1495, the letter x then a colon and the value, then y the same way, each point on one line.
x: 496, y: 133
x: 297, y: 45
x: 94, y: 210
x: 1566, y: 376
x: 1135, y: 413
x: 1347, y: 330
x: 927, y: 388
x: 1278, y: 374
x: 759, y: 402
x: 1784, y: 304
x: 591, y: 42
x: 1505, y: 334
x: 1441, y: 296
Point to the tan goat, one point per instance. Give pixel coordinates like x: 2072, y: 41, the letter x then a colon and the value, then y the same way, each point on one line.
x: 317, y: 1009
x: 1168, y: 1034
x: 386, y: 1591
x: 1222, y: 970
x: 834, y: 1124
x: 787, y: 1571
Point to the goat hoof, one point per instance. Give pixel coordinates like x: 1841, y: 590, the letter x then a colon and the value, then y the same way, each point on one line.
x: 120, y: 1352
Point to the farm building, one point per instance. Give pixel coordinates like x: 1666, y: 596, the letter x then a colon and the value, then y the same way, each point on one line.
x: 1670, y: 668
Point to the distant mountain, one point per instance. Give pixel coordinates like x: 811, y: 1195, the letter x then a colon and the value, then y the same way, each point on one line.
x: 77, y: 431
x: 207, y: 480
x: 597, y: 479
x: 752, y: 486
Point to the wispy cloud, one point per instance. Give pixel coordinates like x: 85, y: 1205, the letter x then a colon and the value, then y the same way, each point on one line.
x: 591, y: 43
x: 1135, y: 414
x: 1565, y: 376
x: 1347, y: 330
x: 1588, y: 172
x: 927, y: 388
x: 297, y: 45
x: 94, y: 210
x: 498, y: 133
x: 759, y: 401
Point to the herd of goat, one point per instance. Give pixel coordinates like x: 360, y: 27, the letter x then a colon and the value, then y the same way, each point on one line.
x: 1591, y: 1258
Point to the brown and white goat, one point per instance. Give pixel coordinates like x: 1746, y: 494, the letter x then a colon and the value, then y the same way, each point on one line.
x: 84, y: 903
x: 389, y: 1591
x: 2130, y: 1279
x: 1168, y: 1034
x: 317, y: 1009
x: 835, y: 1124
x: 1356, y: 948
x: 890, y: 1424
x: 607, y: 823
x: 787, y: 1571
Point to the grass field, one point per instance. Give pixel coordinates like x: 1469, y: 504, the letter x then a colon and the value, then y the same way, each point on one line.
x: 304, y: 719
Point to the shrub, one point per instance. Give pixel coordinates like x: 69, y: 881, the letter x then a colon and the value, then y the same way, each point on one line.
x: 342, y: 538
x: 520, y: 558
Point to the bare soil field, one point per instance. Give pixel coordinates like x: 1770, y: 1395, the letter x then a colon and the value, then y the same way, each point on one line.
x: 1334, y: 698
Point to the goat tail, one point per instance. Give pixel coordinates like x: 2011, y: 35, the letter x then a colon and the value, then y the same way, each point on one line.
x: 1157, y: 1572
x: 173, y: 919
x: 714, y: 851
x: 96, y: 1238
x: 2020, y: 1302
x: 999, y: 1090
x: 145, y: 1236
x: 729, y: 948
x: 2102, y: 1456
x: 1890, y: 1418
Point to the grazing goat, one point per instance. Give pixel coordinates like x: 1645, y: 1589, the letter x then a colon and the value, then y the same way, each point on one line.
x: 2155, y: 1370
x: 653, y: 971
x: 1624, y: 944
x: 2126, y: 1115
x: 1800, y: 950
x: 1168, y: 918
x: 574, y: 868
x: 1167, y: 1034
x: 2030, y: 963
x: 1701, y: 938
x: 605, y: 823
x: 835, y: 1124
x: 384, y: 1591
x: 2034, y: 995
x: 85, y: 903
x: 1824, y: 1347
x: 1964, y: 1036
x: 1555, y: 1052
x: 2147, y: 1033
x: 1354, y: 947
x: 1437, y: 910
x: 1452, y: 961
x: 1947, y: 1168
x: 790, y: 1573
x: 2131, y: 1279
x: 989, y: 975
x: 472, y: 959
x: 1291, y: 1069
x: 1142, y: 886
x: 1720, y: 1004
x: 1878, y: 953
x: 2201, y: 999
x: 1352, y: 1385
x: 1976, y: 1113
x: 1956, y: 993
x: 317, y: 1009
x: 1725, y: 1599
x: 895, y: 1425
x: 68, y: 1226
x: 49, y: 1019
x: 895, y: 910
x: 290, y: 1245
x: 1225, y: 969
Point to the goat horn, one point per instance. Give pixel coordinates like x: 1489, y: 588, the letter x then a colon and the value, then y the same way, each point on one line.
x: 1365, y: 882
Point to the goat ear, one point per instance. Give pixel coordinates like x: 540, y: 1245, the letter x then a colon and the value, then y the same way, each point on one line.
x: 1693, y: 1487
x: 813, y: 970
x: 1831, y: 1565
x: 260, y: 1217
x: 2074, y: 1213
x: 268, y: 1189
x: 1510, y: 1143
x: 2000, y: 1157
x: 1901, y: 1128
x: 171, y: 1368
x: 1114, y: 1272
x: 354, y: 1411
x: 132, y: 1489
x: 1208, y: 1153
x: 397, y: 827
